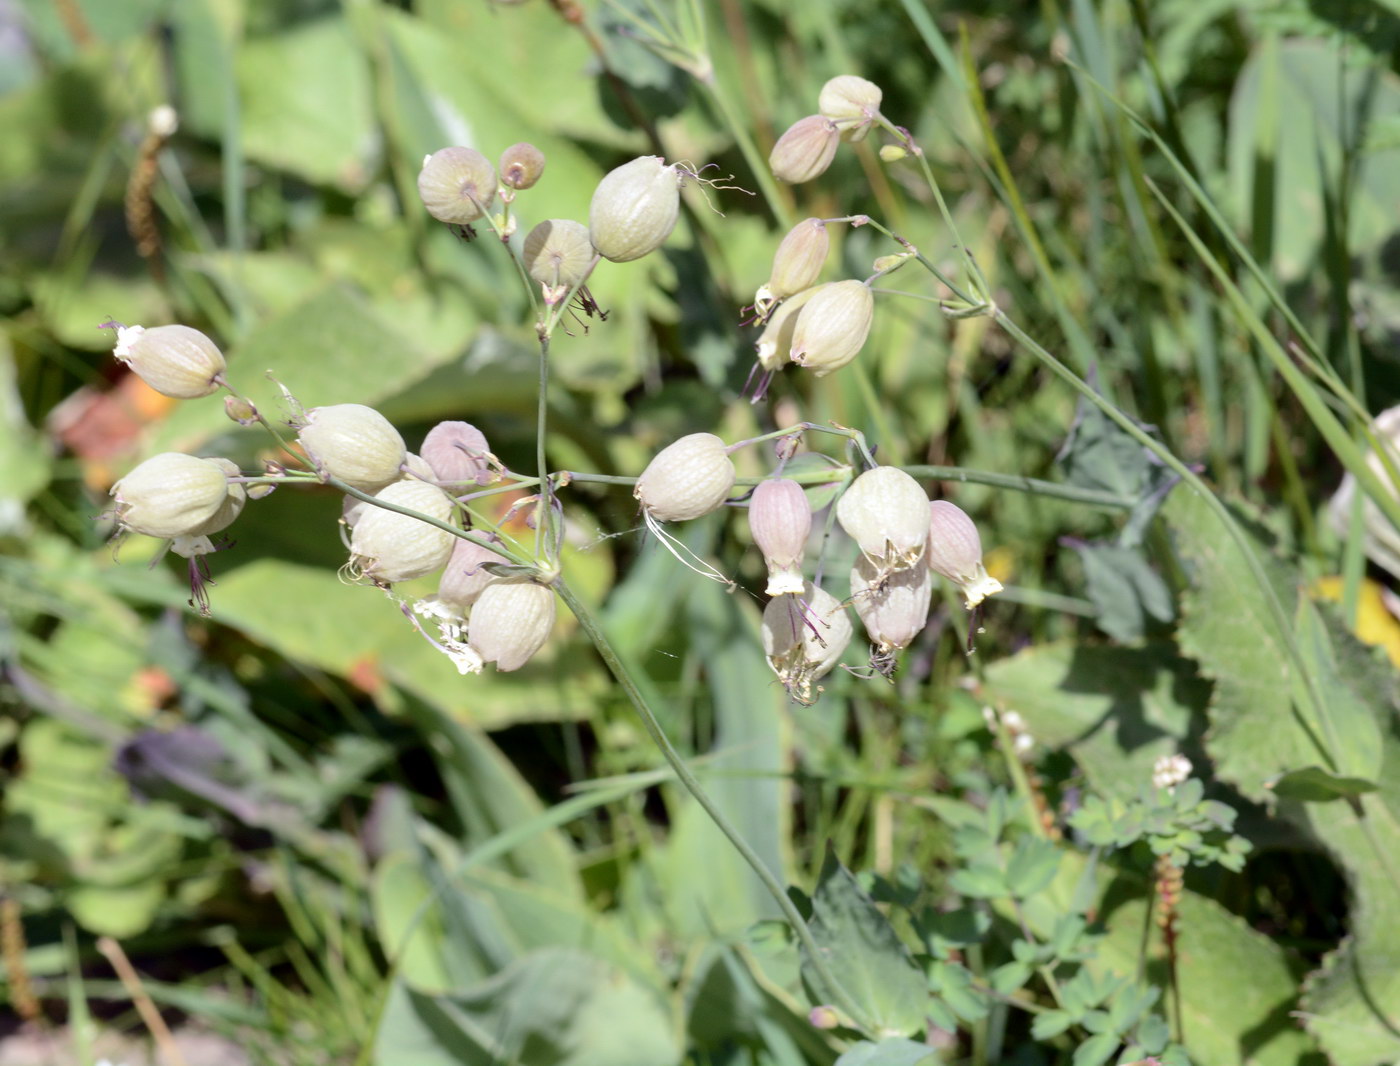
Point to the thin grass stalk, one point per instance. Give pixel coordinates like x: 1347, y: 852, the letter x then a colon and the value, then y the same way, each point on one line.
x: 590, y: 624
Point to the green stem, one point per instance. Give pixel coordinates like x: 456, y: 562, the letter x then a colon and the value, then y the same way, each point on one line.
x: 590, y: 624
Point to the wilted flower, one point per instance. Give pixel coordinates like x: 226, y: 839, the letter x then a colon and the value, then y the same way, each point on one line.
x: 955, y: 552
x: 797, y: 264
x: 354, y: 443
x: 805, y: 149
x: 803, y: 638
x: 774, y: 345
x: 466, y: 576
x: 387, y: 546
x: 174, y: 360
x: 511, y: 621
x: 780, y: 519
x: 456, y: 185
x: 894, y: 608
x: 886, y: 513
x: 634, y: 208
x: 851, y: 104
x: 688, y: 478
x: 458, y: 454
x: 833, y: 326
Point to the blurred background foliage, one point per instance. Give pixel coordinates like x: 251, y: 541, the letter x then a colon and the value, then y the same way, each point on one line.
x: 310, y: 835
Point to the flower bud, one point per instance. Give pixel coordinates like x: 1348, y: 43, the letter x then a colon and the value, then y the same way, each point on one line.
x: 511, y: 621
x: 955, y: 552
x: 521, y: 166
x: 456, y: 185
x: 458, y: 454
x: 886, y: 513
x: 851, y: 103
x: 774, y: 345
x: 833, y: 326
x: 387, y: 546
x: 894, y: 610
x: 797, y: 263
x: 893, y: 153
x: 686, y: 479
x: 634, y: 209
x: 354, y: 443
x: 175, y: 495
x: 805, y: 150
x: 780, y: 519
x: 466, y: 577
x: 174, y: 360
x: 558, y: 253
x: 803, y: 637
x: 239, y: 410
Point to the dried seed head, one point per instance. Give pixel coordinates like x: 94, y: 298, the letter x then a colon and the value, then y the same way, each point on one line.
x: 803, y: 637
x: 805, y: 150
x: 387, y: 546
x: 886, y: 513
x: 177, y: 495
x: 456, y: 185
x: 780, y: 519
x: 797, y: 263
x: 354, y: 443
x: 458, y: 454
x: 511, y: 621
x: 174, y: 360
x: 894, y: 610
x: 521, y: 166
x: 465, y: 577
x: 634, y: 208
x: 686, y: 479
x: 833, y: 326
x: 955, y: 552
x: 851, y: 103
x: 558, y: 253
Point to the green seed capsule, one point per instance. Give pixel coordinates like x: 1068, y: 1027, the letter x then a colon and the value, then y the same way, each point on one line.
x: 558, y: 253
x: 174, y: 360
x: 354, y: 443
x: 456, y: 185
x: 686, y: 479
x: 634, y: 209
x: 387, y: 546
x: 831, y: 329
x: 176, y: 495
x: 805, y: 150
x: 851, y: 103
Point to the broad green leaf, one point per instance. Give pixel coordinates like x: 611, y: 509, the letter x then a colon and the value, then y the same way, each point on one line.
x: 865, y: 954
x: 306, y: 104
x: 894, y: 1051
x: 1256, y: 734
x: 1355, y: 725
x: 1237, y: 985
x: 331, y: 347
x: 1116, y: 710
x: 1350, y: 1003
x: 309, y: 615
x: 556, y: 1007
x: 1132, y: 599
x: 412, y: 922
